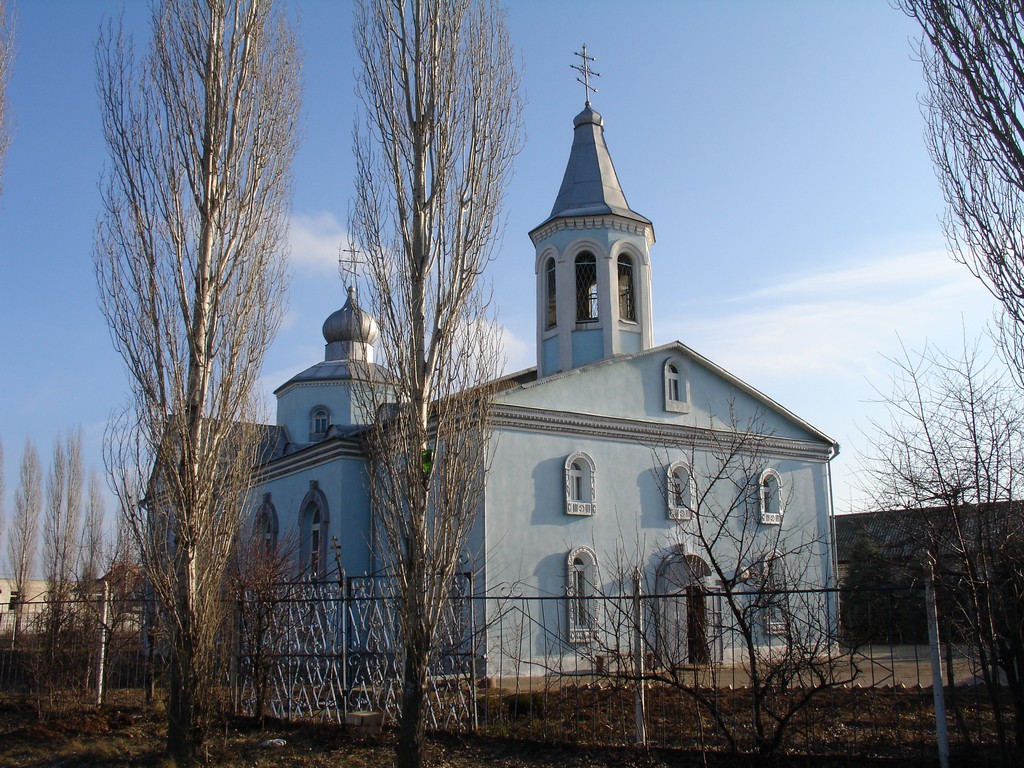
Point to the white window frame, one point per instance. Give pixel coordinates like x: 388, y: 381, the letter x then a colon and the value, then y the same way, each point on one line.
x: 676, y: 386
x: 581, y: 576
x: 316, y: 414
x: 679, y: 470
x: 580, y: 485
x: 771, y: 510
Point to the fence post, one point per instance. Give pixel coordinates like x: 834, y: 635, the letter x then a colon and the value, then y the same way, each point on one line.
x: 938, y: 691
x: 638, y: 660
x: 101, y: 656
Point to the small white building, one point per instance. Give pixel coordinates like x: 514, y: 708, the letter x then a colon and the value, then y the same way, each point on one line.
x: 611, y: 454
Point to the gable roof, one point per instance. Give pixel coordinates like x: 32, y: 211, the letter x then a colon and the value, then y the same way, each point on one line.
x: 525, y: 380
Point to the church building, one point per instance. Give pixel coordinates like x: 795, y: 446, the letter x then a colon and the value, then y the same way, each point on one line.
x: 613, y: 456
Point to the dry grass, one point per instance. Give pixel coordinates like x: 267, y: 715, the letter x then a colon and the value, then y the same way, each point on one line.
x: 119, y: 737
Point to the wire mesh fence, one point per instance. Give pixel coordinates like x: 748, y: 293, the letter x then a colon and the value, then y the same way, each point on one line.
x: 670, y: 670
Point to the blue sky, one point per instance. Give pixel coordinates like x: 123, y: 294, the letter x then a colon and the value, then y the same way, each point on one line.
x: 777, y: 147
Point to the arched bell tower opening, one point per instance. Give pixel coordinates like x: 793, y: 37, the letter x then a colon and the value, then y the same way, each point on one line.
x: 593, y: 262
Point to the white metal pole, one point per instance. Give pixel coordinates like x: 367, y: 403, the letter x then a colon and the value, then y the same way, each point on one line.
x: 101, y: 657
x: 638, y: 660
x: 938, y: 689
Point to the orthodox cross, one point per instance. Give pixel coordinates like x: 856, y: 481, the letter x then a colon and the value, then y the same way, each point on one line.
x: 584, y: 69
x: 348, y: 266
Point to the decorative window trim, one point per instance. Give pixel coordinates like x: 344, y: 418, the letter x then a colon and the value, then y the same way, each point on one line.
x: 770, y: 506
x: 676, y: 385
x: 580, y: 489
x: 582, y: 609
x: 319, y: 416
x: 676, y: 510
x: 266, y: 523
x: 313, y: 500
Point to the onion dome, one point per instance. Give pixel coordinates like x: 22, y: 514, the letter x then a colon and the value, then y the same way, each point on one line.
x: 350, y: 333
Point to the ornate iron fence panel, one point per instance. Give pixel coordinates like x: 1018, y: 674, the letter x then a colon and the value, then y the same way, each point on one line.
x: 374, y: 664
x: 313, y: 651
x: 292, y: 652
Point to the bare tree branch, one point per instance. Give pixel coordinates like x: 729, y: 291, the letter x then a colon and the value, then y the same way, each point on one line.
x: 6, y: 66
x: 972, y: 54
x: 439, y: 90
x: 190, y: 263
x: 23, y: 537
x: 950, y: 453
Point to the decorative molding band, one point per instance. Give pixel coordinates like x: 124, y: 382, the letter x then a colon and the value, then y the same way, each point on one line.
x: 312, y: 457
x: 609, y: 221
x: 529, y: 419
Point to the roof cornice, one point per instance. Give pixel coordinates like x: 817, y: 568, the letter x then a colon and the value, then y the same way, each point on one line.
x: 313, y: 456
x: 653, y: 433
x: 610, y: 221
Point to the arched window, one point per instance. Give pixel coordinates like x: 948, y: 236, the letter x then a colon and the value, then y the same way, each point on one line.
x: 586, y: 288
x: 679, y: 491
x: 581, y: 590
x: 677, y: 387
x: 769, y: 493
x: 319, y: 421
x: 579, y: 485
x: 627, y: 292
x: 551, y: 307
x: 314, y: 524
x: 266, y: 524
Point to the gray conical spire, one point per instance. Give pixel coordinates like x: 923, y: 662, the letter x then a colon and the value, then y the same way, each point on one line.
x: 590, y: 186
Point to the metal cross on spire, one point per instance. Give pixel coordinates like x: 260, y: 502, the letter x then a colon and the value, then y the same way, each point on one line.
x: 348, y: 267
x: 584, y: 69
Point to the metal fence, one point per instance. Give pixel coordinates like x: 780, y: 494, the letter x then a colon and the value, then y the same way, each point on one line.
x: 319, y: 651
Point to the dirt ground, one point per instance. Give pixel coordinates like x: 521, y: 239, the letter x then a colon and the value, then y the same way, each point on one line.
x: 122, y: 737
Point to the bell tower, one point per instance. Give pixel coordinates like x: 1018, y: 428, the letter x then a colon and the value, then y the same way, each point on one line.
x: 593, y: 261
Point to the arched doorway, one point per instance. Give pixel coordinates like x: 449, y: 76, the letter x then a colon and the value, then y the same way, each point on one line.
x: 684, y: 618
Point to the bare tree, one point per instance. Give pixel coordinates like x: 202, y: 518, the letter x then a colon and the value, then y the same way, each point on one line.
x: 23, y: 537
x: 6, y: 65
x: 439, y: 89
x: 746, y: 581
x: 61, y: 666
x: 950, y: 454
x: 61, y: 545
x: 190, y: 262
x: 94, y: 556
x: 3, y: 492
x: 972, y: 54
x: 262, y: 586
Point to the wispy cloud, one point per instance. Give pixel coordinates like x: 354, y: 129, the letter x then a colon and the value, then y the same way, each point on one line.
x: 315, y: 241
x: 519, y: 354
x: 840, y: 322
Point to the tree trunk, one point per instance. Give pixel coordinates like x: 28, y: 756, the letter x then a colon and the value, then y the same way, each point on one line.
x: 410, y: 750
x: 184, y: 737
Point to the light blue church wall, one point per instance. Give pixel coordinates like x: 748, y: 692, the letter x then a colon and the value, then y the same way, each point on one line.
x: 343, y: 483
x: 632, y: 440
x: 295, y: 407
